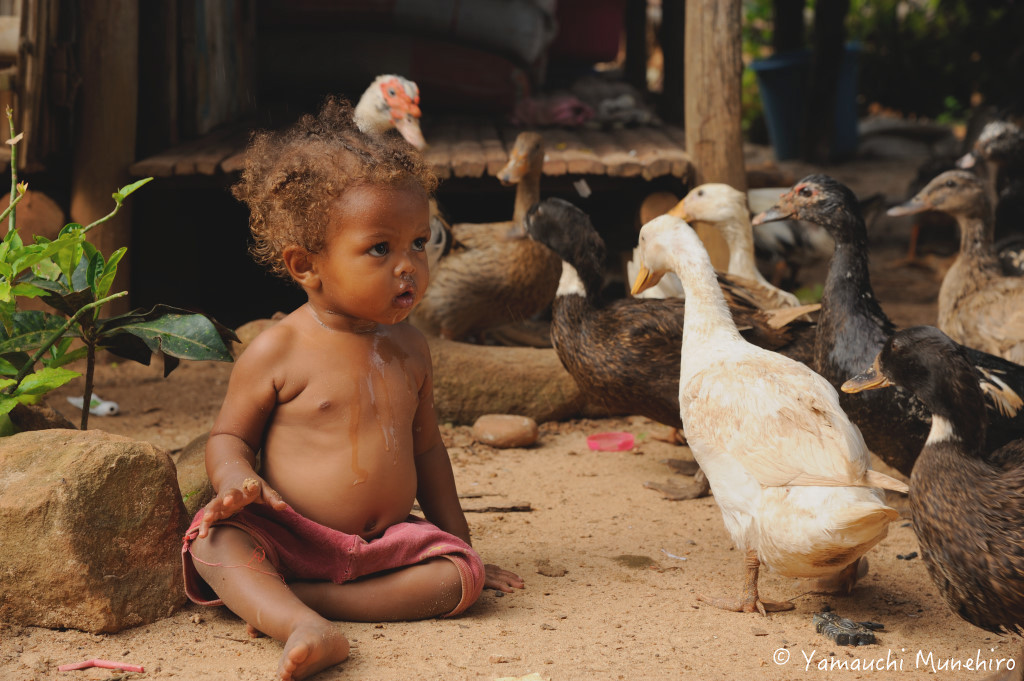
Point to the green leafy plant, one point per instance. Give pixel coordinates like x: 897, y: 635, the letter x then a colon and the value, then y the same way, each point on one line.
x: 74, y: 278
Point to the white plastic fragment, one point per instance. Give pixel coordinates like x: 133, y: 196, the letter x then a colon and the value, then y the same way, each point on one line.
x: 97, y: 405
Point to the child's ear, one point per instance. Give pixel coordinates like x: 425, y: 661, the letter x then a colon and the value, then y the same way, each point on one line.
x: 300, y: 266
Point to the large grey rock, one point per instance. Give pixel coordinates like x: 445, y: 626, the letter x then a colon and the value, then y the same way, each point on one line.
x: 90, y: 531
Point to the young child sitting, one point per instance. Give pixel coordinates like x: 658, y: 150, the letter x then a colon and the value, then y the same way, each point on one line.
x: 338, y: 398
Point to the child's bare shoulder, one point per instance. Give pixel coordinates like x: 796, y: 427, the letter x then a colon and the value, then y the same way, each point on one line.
x: 412, y: 341
x: 272, y: 343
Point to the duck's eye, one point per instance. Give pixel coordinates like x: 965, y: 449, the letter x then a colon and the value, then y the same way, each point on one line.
x: 391, y: 92
x: 806, y: 192
x: 380, y: 249
x: 700, y: 192
x: 950, y: 183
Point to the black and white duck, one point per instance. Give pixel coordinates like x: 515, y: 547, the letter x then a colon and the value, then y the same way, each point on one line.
x: 967, y: 501
x: 852, y: 328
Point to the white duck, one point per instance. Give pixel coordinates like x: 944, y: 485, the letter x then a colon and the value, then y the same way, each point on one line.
x: 726, y: 210
x: 789, y: 471
x: 391, y: 102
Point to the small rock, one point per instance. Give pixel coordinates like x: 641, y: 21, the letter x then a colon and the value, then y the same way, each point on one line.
x: 505, y: 431
x: 501, y: 659
x: 910, y: 556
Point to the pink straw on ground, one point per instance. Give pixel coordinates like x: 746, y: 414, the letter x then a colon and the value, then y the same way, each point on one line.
x: 103, y: 664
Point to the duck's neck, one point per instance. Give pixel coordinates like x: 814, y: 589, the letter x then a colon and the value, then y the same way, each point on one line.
x: 976, y: 233
x: 528, y: 189
x: 852, y: 326
x: 706, y: 315
x: 741, y: 250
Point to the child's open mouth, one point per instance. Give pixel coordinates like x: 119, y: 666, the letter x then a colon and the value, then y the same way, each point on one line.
x: 405, y: 299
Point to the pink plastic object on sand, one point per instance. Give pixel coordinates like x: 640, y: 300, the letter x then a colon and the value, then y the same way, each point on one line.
x: 610, y: 442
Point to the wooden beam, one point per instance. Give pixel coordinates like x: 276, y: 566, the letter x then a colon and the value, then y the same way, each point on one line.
x: 104, y: 139
x: 714, y: 134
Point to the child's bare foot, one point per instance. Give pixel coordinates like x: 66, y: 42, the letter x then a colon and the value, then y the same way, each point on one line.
x: 310, y: 648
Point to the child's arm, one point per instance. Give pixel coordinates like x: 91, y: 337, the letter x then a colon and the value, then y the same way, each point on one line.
x: 237, y: 432
x: 435, y: 486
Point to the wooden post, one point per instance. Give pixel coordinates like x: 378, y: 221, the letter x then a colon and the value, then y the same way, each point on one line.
x: 104, y: 139
x: 714, y: 133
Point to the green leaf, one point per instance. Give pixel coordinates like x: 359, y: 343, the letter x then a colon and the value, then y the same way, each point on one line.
x: 124, y: 192
x: 106, y: 279
x: 186, y: 336
x: 46, y: 269
x: 7, y: 369
x: 5, y: 290
x: 27, y: 290
x: 7, y: 404
x: 31, y: 329
x: 44, y: 380
x: 66, y: 357
x: 70, y: 303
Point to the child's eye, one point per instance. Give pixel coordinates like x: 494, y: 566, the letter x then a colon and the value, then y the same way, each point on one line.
x: 380, y: 249
x: 419, y: 244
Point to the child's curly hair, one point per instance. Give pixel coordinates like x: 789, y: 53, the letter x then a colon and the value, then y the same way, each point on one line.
x: 293, y: 177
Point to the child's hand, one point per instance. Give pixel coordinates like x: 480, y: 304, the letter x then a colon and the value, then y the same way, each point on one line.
x: 233, y: 498
x: 501, y: 579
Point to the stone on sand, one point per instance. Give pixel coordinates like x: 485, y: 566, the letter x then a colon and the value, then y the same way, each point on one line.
x: 91, y: 526
x: 505, y: 431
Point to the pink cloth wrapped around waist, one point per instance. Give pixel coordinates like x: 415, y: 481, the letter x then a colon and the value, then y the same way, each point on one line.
x: 300, y: 549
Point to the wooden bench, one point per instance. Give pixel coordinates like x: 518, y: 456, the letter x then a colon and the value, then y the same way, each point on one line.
x: 468, y: 148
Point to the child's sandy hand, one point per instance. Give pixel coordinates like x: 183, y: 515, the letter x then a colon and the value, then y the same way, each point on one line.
x: 501, y: 579
x: 233, y: 498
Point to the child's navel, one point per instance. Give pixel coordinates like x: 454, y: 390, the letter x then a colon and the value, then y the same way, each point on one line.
x: 324, y: 405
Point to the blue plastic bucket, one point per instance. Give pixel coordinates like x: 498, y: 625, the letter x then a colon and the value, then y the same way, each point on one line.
x: 782, y: 81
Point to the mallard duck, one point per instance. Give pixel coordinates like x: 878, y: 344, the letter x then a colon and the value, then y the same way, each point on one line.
x: 391, y: 102
x: 979, y: 306
x: 493, y: 274
x: 999, y: 150
x: 966, y: 500
x: 789, y: 471
x: 852, y: 328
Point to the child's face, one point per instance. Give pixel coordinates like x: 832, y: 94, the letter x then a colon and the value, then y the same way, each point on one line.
x: 374, y: 267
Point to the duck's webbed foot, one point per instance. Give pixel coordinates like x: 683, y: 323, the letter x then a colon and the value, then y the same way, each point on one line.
x: 749, y: 600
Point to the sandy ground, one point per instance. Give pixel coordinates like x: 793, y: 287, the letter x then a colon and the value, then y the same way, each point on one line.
x: 612, y: 569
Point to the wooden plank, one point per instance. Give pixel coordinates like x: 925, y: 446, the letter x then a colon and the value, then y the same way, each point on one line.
x: 210, y: 150
x: 438, y: 151
x: 181, y: 160
x: 494, y: 149
x: 554, y: 146
x: 579, y: 157
x: 682, y: 164
x: 654, y: 163
x: 618, y: 162
x: 209, y: 160
x: 467, y: 154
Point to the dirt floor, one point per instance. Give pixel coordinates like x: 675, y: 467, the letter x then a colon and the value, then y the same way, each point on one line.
x: 612, y: 568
